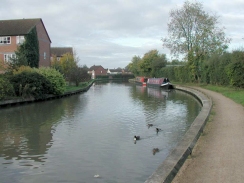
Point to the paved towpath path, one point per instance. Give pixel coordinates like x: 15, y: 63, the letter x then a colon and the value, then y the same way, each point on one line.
x: 218, y: 156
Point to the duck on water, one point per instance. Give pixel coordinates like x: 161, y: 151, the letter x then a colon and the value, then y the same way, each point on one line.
x: 136, y: 138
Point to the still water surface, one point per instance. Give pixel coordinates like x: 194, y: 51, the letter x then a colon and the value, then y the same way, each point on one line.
x: 72, y: 139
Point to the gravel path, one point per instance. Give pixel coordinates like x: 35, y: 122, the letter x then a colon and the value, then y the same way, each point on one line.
x: 218, y: 156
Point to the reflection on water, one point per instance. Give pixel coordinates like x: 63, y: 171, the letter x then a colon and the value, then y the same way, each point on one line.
x: 75, y: 138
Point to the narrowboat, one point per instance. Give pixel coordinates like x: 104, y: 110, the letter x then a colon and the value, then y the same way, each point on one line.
x: 142, y: 81
x: 160, y: 82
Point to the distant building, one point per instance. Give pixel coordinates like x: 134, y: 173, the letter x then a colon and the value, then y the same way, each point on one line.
x: 97, y: 70
x: 118, y: 71
x: 58, y: 52
x: 115, y: 71
x: 12, y: 34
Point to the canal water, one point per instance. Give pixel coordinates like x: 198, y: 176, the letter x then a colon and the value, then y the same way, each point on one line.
x: 88, y: 137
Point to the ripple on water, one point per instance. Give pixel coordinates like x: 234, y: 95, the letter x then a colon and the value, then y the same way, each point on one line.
x: 77, y: 137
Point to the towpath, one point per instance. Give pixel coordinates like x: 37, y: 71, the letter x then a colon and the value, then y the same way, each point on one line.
x: 218, y: 156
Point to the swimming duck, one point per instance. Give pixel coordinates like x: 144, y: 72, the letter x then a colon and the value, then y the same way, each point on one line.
x: 155, y: 150
x: 136, y: 138
x: 158, y: 129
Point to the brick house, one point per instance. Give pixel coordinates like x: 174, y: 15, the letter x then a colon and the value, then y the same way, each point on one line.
x: 97, y: 70
x: 60, y: 51
x: 12, y: 34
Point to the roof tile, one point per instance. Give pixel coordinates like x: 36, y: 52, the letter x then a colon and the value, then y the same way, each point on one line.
x: 17, y: 26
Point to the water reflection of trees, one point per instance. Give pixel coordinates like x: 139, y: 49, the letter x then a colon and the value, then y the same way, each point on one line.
x: 192, y: 104
x: 146, y: 95
x: 154, y: 99
x: 26, y: 131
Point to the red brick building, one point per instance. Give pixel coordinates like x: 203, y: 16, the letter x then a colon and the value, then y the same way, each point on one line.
x: 12, y: 34
x: 97, y: 70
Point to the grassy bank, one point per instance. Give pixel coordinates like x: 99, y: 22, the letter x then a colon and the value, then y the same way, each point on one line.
x: 236, y: 94
x: 72, y: 87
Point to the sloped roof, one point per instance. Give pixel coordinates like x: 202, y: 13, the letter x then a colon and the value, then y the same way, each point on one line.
x: 19, y: 26
x: 59, y: 51
x: 115, y: 70
x: 95, y: 67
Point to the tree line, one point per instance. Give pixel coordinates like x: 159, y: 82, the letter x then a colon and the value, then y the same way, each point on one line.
x: 225, y: 69
x: 195, y: 36
x: 149, y: 65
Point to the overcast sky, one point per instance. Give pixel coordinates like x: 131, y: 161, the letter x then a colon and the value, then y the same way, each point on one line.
x: 111, y: 32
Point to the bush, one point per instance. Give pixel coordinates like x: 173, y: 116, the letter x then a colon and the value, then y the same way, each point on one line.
x: 22, y: 68
x: 55, y: 78
x: 236, y: 75
x: 215, y: 71
x: 6, y: 89
x: 30, y: 84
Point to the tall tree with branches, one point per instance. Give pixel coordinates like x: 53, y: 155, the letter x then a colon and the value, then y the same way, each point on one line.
x: 195, y: 34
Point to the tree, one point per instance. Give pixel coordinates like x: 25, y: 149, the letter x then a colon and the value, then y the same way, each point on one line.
x: 152, y: 62
x: 78, y: 74
x: 175, y: 62
x: 195, y: 34
x: 27, y: 53
x: 55, y: 63
x: 158, y: 63
x: 85, y: 67
x: 66, y: 63
x: 134, y: 65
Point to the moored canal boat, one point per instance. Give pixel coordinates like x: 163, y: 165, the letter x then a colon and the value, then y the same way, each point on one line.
x: 167, y: 85
x: 142, y: 81
x: 160, y: 82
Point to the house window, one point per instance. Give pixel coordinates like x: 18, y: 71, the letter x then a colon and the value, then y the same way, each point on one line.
x: 20, y: 39
x: 8, y: 57
x: 5, y: 40
x: 45, y: 55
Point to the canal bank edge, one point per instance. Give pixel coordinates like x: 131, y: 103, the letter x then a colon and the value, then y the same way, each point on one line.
x: 13, y: 102
x: 171, y: 165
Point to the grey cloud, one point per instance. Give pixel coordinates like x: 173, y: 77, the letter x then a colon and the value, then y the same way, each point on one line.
x: 111, y: 32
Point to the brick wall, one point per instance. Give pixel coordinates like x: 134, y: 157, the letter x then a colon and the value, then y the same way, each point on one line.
x: 8, y: 48
x: 100, y: 71
x: 44, y: 46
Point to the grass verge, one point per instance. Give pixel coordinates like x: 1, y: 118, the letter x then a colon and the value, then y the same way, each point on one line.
x: 72, y: 87
x: 236, y: 94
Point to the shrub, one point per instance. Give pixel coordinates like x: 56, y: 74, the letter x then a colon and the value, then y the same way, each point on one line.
x: 235, y: 73
x: 6, y: 89
x: 22, y: 69
x: 55, y: 78
x: 30, y: 84
x: 235, y: 69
